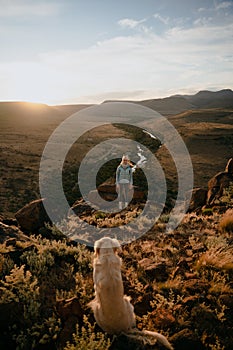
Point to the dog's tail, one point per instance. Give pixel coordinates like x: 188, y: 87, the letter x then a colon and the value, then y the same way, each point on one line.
x: 144, y: 335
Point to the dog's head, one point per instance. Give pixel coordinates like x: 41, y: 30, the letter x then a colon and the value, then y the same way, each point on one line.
x: 106, y: 245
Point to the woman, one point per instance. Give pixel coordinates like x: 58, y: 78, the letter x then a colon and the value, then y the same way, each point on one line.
x: 124, y: 181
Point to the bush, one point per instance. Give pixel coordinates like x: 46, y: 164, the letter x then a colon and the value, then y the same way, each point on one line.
x: 226, y: 223
x: 85, y: 338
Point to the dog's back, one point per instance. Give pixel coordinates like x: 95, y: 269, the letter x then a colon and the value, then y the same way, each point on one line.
x: 112, y: 310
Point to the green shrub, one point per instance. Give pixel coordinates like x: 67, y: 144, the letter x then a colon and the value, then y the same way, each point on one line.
x: 207, y: 211
x: 87, y: 339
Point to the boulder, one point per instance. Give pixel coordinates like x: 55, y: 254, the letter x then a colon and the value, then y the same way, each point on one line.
x: 127, y: 342
x: 219, y: 182
x: 107, y: 191
x: 95, y: 198
x: 198, y: 199
x: 11, y: 234
x: 81, y: 208
x: 157, y: 271
x: 32, y: 216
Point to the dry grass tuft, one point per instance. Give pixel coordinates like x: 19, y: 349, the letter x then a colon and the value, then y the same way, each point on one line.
x: 226, y: 223
x: 219, y: 255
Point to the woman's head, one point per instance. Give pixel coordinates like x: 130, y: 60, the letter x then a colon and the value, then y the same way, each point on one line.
x: 124, y: 159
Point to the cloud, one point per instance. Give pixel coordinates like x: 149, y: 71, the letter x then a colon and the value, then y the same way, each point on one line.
x: 134, y: 24
x: 164, y: 20
x: 223, y: 5
x: 130, y: 23
x: 202, y: 21
x: 20, y: 8
x: 141, y: 65
x: 201, y: 9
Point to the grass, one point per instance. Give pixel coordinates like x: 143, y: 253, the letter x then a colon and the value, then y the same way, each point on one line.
x: 197, y: 256
x: 196, y: 266
x: 226, y: 223
x: 86, y: 337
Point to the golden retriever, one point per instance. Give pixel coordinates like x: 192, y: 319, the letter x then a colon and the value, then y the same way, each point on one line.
x: 113, y: 311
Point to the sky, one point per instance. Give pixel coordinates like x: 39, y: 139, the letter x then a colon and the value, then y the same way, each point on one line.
x: 88, y: 51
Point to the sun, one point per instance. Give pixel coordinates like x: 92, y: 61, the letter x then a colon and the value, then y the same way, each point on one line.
x: 34, y: 83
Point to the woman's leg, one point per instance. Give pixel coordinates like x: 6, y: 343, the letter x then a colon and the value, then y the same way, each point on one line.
x: 121, y: 195
x: 126, y: 194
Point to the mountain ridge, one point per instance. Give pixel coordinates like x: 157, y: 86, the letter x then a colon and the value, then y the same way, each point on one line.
x: 170, y: 105
x: 178, y: 103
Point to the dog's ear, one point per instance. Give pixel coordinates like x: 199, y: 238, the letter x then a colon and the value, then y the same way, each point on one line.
x: 97, y: 252
x: 116, y: 245
x: 97, y: 246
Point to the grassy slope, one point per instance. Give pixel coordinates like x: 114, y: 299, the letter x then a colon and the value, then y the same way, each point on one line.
x: 189, y: 272
x: 26, y: 127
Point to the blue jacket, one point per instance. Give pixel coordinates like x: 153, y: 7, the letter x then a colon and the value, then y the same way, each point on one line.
x: 124, y: 175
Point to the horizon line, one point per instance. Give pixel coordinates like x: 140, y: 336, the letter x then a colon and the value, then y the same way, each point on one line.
x: 110, y: 99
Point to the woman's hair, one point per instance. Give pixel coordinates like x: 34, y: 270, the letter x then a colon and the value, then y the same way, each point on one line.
x: 125, y: 156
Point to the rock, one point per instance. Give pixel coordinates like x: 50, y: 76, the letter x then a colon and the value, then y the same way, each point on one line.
x: 125, y: 342
x: 186, y: 339
x: 157, y: 271
x: 11, y: 233
x: 219, y: 182
x: 107, y: 192
x: 194, y: 286
x: 95, y: 198
x: 9, y: 221
x: 81, y: 208
x: 198, y: 199
x: 162, y: 318
x: 32, y: 216
x: 229, y: 166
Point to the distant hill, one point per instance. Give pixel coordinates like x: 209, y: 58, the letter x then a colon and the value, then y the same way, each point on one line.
x: 179, y: 103
x: 210, y: 99
x: 167, y: 106
x: 27, y: 112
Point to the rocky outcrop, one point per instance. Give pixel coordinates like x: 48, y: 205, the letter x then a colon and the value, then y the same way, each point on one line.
x: 198, y: 199
x: 11, y: 234
x: 219, y: 182
x: 107, y: 192
x: 32, y: 216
